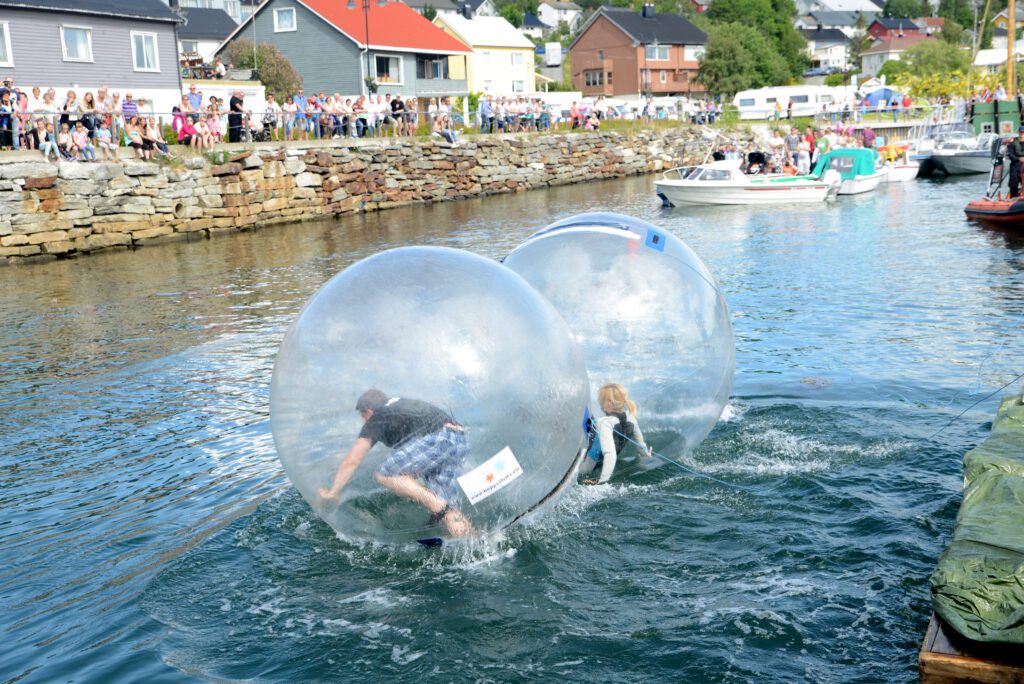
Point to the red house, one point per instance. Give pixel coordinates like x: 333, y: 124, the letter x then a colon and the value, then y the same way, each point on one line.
x: 622, y: 52
x: 886, y: 29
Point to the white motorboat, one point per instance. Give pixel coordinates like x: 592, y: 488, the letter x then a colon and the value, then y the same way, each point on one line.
x: 723, y: 182
x: 898, y: 163
x: 961, y: 156
x: 860, y: 168
x: 901, y: 171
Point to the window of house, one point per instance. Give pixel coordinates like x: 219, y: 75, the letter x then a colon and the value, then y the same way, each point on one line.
x: 656, y: 53
x: 608, y: 78
x: 284, y: 20
x: 693, y: 53
x: 487, y: 86
x: 517, y: 59
x: 663, y: 76
x: 431, y: 68
x: 518, y: 86
x: 190, y: 46
x: 600, y: 55
x: 645, y: 76
x: 233, y: 8
x: 593, y: 78
x: 144, y: 57
x: 389, y: 69
x: 6, y: 56
x: 76, y: 42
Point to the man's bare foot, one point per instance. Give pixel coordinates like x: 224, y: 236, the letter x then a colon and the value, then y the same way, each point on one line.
x: 454, y: 521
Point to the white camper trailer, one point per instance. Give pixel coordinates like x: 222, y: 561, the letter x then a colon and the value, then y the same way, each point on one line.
x: 807, y: 100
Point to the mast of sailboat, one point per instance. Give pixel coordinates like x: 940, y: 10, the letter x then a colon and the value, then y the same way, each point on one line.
x: 1011, y: 39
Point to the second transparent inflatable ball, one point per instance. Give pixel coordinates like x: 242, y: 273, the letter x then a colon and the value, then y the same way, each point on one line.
x: 647, y: 313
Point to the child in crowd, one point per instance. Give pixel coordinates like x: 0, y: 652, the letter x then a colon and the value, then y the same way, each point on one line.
x: 105, y: 141
x: 65, y: 144
x: 80, y: 140
x: 48, y: 143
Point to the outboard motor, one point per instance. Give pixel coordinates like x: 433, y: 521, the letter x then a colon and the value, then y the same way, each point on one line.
x: 997, y: 174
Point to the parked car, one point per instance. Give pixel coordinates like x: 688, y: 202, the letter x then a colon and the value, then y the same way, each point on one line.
x: 816, y: 71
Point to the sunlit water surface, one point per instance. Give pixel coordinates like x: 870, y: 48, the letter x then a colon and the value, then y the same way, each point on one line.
x: 149, y: 534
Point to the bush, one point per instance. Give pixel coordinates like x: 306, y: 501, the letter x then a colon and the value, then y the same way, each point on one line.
x: 276, y: 73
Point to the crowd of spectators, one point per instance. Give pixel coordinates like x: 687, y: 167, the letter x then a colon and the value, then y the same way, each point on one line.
x: 103, y: 125
x: 795, y: 152
x: 74, y: 128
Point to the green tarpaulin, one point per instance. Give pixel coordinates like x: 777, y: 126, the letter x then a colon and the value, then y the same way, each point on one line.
x: 978, y: 586
x: 848, y: 161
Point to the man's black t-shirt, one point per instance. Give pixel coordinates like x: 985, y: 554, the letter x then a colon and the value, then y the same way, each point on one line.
x: 403, y: 419
x: 397, y: 106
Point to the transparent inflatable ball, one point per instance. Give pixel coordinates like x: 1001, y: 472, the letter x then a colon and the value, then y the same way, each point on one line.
x: 478, y: 403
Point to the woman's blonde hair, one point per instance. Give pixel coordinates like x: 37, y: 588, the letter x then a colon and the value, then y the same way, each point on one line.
x: 617, y: 396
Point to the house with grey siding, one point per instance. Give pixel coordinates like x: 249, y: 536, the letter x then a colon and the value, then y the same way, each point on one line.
x: 336, y: 45
x: 129, y: 45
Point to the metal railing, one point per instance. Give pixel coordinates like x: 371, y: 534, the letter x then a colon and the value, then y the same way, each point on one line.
x: 15, y: 129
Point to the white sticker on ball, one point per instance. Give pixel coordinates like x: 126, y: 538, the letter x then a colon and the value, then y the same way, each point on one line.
x: 490, y: 476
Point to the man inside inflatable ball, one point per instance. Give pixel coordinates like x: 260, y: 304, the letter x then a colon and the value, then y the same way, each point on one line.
x: 428, y: 450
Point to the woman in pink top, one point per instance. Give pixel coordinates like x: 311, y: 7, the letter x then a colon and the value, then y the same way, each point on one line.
x: 187, y: 132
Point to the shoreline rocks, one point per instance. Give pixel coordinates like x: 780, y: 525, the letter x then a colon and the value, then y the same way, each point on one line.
x: 63, y: 210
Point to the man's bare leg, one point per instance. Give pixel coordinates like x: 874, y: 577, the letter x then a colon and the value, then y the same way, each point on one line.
x: 409, y: 488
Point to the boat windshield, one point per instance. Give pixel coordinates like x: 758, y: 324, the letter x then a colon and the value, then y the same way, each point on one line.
x: 717, y: 175
x: 844, y: 165
x: 695, y: 174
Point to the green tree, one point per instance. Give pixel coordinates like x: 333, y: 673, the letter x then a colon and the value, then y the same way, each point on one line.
x: 891, y: 69
x: 751, y: 12
x: 935, y: 57
x: 960, y: 11
x: 773, y: 18
x: 429, y: 13
x: 901, y: 8
x: 790, y: 43
x: 953, y: 33
x: 925, y: 10
x: 513, y: 14
x: 276, y: 73
x: 738, y: 57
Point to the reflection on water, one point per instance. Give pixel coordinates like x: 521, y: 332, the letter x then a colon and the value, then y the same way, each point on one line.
x: 149, y: 531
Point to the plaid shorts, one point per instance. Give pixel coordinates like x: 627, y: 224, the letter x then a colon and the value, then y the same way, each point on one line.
x: 434, y: 458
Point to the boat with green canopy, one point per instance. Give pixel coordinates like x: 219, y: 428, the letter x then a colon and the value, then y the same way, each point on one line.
x: 860, y: 168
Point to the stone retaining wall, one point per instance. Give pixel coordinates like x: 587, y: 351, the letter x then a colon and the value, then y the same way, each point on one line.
x: 49, y: 211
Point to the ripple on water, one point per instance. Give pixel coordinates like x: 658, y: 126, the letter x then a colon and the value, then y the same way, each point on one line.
x: 153, y: 534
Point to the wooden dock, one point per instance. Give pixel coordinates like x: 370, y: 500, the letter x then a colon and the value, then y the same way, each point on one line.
x: 948, y: 658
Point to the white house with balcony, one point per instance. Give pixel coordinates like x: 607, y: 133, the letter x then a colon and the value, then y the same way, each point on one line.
x: 203, y: 31
x: 553, y: 12
x: 502, y: 62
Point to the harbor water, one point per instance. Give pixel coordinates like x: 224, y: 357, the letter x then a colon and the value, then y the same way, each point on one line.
x: 149, y: 534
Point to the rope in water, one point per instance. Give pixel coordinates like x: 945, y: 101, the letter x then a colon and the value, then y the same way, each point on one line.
x: 686, y: 468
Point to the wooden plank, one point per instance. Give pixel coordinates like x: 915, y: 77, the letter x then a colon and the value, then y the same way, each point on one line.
x: 948, y: 658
